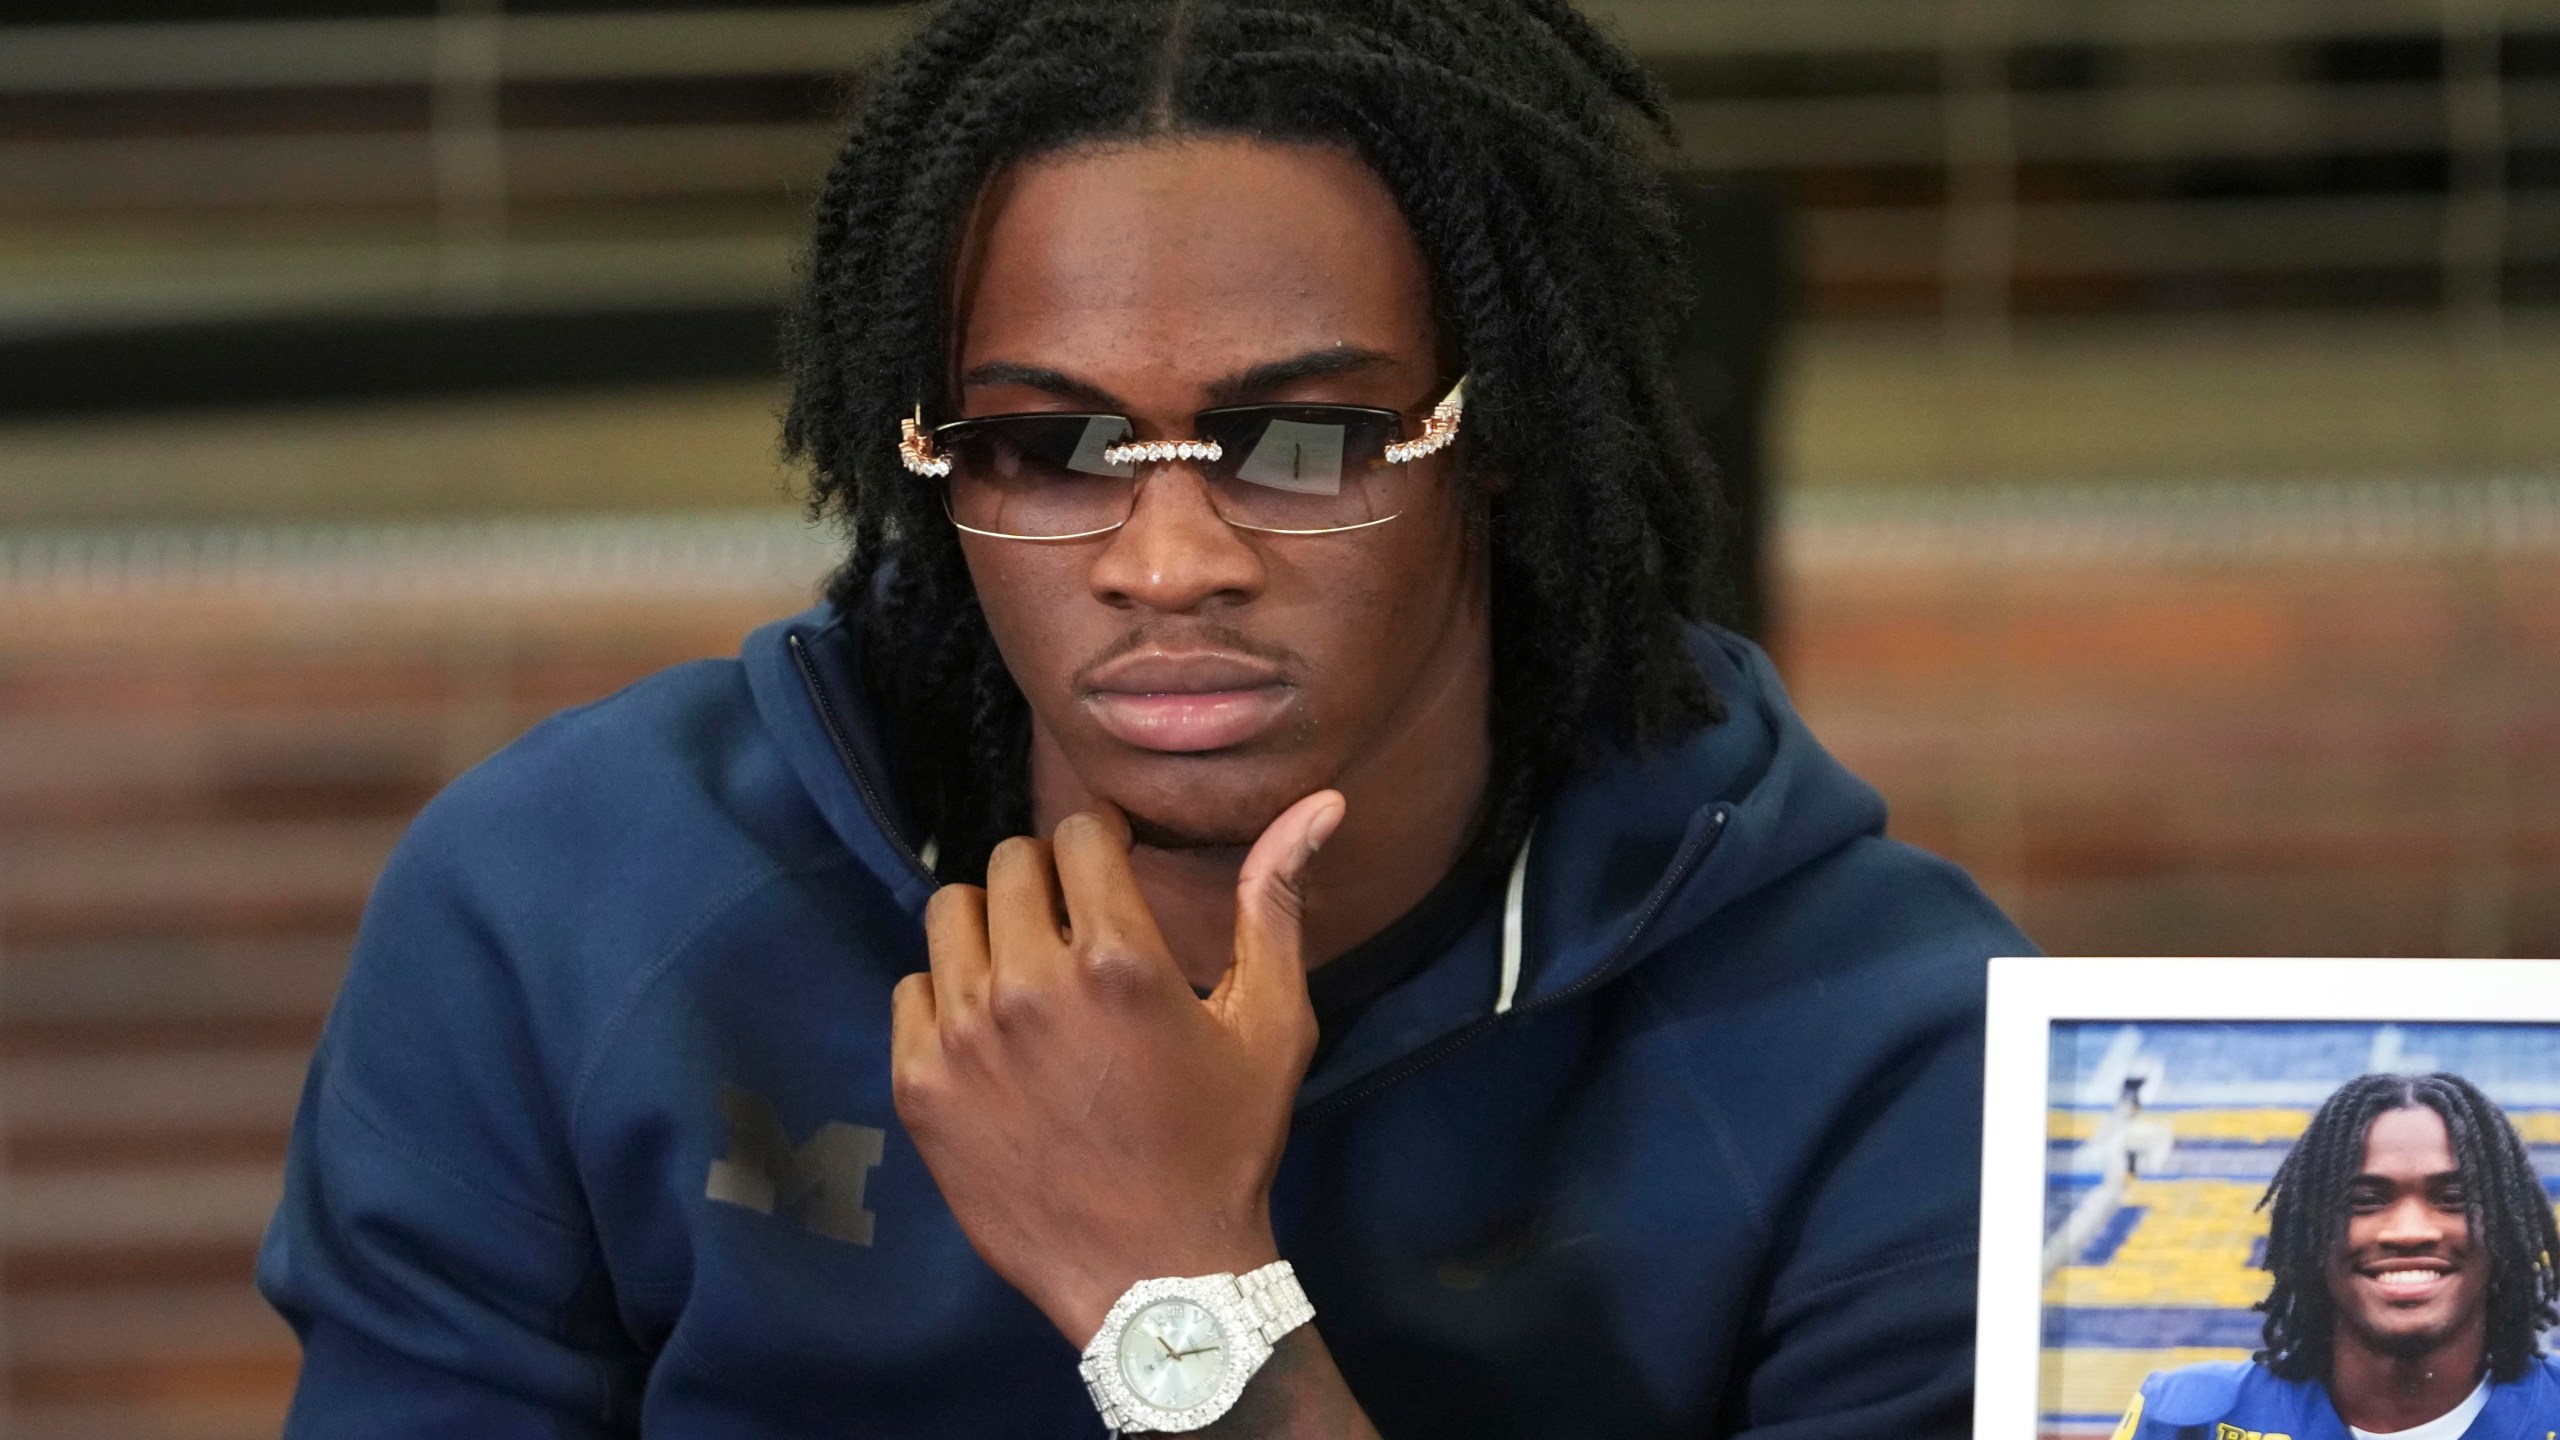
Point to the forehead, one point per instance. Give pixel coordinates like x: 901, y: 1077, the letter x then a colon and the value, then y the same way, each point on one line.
x: 2409, y: 1141
x: 1205, y: 255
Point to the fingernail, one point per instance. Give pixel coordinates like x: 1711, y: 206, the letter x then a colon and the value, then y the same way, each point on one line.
x: 1321, y: 830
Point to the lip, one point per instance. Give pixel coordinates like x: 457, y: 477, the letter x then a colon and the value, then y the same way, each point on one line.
x: 1187, y: 702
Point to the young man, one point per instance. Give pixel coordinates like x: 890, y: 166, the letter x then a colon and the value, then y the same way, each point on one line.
x: 1254, y: 794
x: 2413, y: 1251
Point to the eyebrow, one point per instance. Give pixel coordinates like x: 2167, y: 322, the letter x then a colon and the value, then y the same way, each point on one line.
x: 1314, y: 365
x: 2432, y: 1177
x: 1038, y: 377
x: 1228, y: 390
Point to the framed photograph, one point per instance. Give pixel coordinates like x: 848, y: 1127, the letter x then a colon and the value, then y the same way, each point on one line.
x: 2137, y: 1115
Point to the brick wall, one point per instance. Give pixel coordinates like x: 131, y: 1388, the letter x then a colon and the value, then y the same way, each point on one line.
x: 2315, y: 721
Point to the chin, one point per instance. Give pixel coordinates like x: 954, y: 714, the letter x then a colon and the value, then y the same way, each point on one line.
x: 1203, y: 803
x: 2411, y: 1342
x: 2407, y: 1336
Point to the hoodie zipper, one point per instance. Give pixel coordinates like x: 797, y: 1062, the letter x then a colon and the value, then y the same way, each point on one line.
x: 853, y: 766
x: 1691, y: 855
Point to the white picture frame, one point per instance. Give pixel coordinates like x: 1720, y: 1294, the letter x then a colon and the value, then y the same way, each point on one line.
x: 2028, y: 995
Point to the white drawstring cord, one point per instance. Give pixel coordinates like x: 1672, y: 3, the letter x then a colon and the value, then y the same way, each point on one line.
x: 1514, y: 903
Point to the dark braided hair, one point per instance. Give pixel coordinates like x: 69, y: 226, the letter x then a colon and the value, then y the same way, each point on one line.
x: 1496, y: 124
x: 2511, y: 1220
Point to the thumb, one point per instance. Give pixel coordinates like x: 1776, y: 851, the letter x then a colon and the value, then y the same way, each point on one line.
x: 1269, y: 977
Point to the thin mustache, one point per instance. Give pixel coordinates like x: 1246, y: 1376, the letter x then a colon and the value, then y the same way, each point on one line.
x: 1204, y: 635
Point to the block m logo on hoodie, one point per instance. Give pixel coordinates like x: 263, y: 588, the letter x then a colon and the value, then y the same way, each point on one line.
x: 820, y: 1180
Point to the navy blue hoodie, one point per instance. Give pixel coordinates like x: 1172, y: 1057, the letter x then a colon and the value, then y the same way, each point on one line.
x: 599, y: 1136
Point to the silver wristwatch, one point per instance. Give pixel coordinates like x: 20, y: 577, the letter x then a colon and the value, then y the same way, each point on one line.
x: 1174, y: 1354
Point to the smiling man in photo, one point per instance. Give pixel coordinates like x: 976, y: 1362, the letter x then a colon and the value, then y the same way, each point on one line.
x: 2413, y: 1251
x: 1257, y: 904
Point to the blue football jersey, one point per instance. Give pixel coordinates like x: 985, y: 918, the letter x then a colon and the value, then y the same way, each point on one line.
x: 2239, y: 1400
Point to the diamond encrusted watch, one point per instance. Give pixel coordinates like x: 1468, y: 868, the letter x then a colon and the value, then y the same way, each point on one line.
x: 1174, y: 1354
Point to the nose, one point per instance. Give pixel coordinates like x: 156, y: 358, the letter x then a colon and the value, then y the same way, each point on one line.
x: 2411, y: 1223
x: 1175, y: 555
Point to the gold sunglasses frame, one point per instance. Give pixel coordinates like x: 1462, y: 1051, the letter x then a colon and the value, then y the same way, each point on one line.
x: 918, y: 453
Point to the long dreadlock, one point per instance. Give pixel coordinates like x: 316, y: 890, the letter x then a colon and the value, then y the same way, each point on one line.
x: 2510, y: 1215
x: 1496, y: 124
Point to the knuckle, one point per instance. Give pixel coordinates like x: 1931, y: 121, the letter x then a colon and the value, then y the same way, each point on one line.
x: 912, y: 1089
x: 1112, y: 965
x: 908, y: 1004
x: 1013, y: 851
x: 950, y: 903
x: 1016, y: 1007
x: 964, y: 1029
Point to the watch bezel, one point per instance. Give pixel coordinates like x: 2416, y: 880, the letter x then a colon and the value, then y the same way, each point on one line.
x: 1246, y: 1351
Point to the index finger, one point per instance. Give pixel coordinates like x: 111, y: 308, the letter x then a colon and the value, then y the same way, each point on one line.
x: 1104, y: 905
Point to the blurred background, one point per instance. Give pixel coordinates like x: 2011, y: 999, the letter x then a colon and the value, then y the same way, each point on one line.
x: 2149, y: 411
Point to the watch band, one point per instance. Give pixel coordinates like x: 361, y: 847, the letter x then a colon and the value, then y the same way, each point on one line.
x: 1276, y: 1300
x: 1111, y: 1417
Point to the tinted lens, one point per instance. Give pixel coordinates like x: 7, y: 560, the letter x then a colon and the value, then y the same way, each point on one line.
x: 1036, y: 475
x: 1300, y: 467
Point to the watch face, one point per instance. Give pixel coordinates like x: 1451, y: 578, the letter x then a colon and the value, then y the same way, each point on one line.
x: 1172, y: 1354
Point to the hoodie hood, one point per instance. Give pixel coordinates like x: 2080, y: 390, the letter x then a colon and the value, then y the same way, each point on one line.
x: 805, y: 676
x: 1634, y: 853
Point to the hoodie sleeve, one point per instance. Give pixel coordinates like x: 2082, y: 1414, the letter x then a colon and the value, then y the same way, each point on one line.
x: 432, y: 1249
